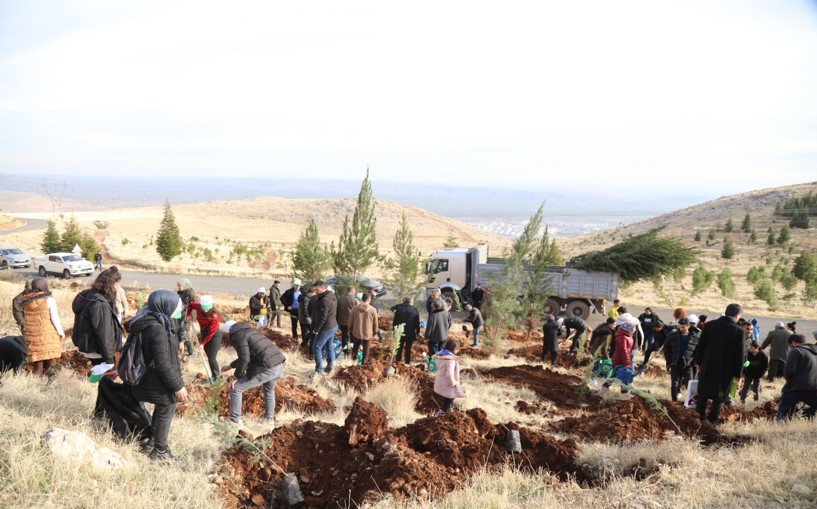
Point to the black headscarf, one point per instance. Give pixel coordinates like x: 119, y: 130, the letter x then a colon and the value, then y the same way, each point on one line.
x: 161, y: 305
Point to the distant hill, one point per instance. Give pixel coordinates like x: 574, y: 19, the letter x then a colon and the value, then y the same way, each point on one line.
x: 712, y: 216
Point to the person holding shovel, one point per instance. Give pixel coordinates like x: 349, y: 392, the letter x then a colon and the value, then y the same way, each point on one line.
x: 210, y: 325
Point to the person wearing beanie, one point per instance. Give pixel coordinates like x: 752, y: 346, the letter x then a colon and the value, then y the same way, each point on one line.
x: 801, y: 379
x: 778, y: 339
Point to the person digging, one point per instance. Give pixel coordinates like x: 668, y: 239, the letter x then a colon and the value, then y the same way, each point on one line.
x: 259, y: 362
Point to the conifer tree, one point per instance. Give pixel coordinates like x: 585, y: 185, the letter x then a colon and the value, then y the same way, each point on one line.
x: 770, y: 240
x: 406, y: 276
x: 51, y: 239
x: 752, y: 237
x: 697, y: 236
x: 784, y: 235
x: 357, y: 247
x: 71, y: 236
x: 729, y: 226
x: 310, y: 258
x: 169, y: 243
x: 746, y: 227
x: 728, y: 250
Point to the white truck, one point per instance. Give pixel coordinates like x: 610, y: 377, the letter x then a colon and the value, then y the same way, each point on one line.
x: 456, y: 271
x: 66, y: 264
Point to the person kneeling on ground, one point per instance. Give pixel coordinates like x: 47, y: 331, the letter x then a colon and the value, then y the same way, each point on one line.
x: 801, y: 378
x: 447, y: 382
x: 259, y: 362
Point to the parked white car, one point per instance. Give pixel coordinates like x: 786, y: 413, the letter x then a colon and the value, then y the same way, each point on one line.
x: 66, y: 264
x: 11, y: 257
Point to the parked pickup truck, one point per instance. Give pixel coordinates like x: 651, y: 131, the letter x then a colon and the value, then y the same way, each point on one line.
x: 66, y: 264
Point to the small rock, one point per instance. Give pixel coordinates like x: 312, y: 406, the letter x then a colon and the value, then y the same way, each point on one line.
x: 370, y: 456
x: 218, y: 480
x: 800, y: 489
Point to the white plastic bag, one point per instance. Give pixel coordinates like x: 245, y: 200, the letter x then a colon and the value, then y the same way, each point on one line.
x: 692, y: 394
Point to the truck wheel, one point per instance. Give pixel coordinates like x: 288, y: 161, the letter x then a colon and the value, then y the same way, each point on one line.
x: 42, y: 271
x: 448, y: 297
x: 579, y: 309
x: 66, y: 274
x: 552, y: 306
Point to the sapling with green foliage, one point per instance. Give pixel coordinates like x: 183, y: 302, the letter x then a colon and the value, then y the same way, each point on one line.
x: 711, y: 235
x: 169, y: 242
x: 804, y: 264
x: 357, y: 246
x: 729, y: 226
x: 537, y: 285
x: 701, y: 279
x: 404, y: 269
x: 771, y: 239
x: 697, y: 237
x: 51, y: 239
x: 746, y: 226
x: 726, y: 284
x: 728, y: 249
x: 310, y: 258
x: 784, y: 235
x: 752, y: 240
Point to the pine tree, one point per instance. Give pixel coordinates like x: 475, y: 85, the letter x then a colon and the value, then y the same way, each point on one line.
x: 310, y: 258
x: 357, y: 247
x: 728, y: 250
x: 729, y: 226
x: 697, y: 236
x: 752, y: 237
x: 804, y: 264
x: 726, y: 284
x: 537, y: 284
x: 51, y: 239
x: 71, y: 236
x: 770, y: 240
x: 799, y: 220
x: 747, y: 223
x: 89, y: 246
x: 169, y: 243
x: 406, y: 276
x: 711, y: 235
x: 784, y: 235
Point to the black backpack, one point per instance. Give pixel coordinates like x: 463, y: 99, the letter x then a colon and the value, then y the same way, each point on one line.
x: 132, y: 366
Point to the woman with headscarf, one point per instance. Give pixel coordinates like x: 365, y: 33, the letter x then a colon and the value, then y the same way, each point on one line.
x: 210, y: 325
x: 162, y: 384
x: 43, y: 328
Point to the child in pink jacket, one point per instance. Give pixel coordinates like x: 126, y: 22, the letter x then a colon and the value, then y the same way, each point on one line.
x: 447, y: 383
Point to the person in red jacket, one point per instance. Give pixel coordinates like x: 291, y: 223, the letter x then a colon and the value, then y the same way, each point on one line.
x: 210, y: 324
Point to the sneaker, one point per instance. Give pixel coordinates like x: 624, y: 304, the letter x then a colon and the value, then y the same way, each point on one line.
x: 756, y: 396
x: 474, y: 345
x: 146, y: 446
x: 233, y: 424
x: 162, y: 455
x: 439, y: 412
x: 268, y: 423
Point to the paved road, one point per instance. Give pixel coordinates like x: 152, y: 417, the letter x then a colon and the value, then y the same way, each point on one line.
x: 31, y: 224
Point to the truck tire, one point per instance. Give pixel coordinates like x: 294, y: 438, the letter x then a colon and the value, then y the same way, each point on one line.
x: 41, y: 271
x: 66, y: 274
x: 579, y: 309
x: 448, y: 296
x: 553, y: 307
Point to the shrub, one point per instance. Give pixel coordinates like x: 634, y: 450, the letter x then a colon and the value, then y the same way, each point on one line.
x: 803, y: 264
x: 697, y: 236
x: 728, y: 249
x: 726, y: 284
x: 755, y: 275
x: 729, y: 226
x: 125, y: 242
x: 101, y: 225
x: 701, y: 279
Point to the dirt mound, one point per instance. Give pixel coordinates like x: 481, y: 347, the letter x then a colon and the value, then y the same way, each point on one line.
x: 428, y: 401
x: 282, y: 341
x: 206, y: 398
x: 522, y: 336
x: 474, y: 353
x: 384, y: 323
x: 428, y: 458
x: 634, y: 419
x: 767, y: 411
x: 76, y: 362
x: 366, y: 422
x: 561, y: 389
x: 533, y: 353
x: 362, y: 377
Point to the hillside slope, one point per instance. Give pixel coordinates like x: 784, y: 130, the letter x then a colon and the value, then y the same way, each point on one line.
x: 710, y: 219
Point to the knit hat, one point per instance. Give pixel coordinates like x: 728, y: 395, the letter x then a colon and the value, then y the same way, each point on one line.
x: 206, y: 302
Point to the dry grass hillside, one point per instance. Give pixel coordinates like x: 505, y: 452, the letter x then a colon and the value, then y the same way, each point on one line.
x: 267, y: 227
x: 712, y: 217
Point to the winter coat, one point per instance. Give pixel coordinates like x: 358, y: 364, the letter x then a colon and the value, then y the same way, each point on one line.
x: 600, y: 340
x: 346, y: 303
x: 624, y: 344
x: 477, y: 296
x: 275, y: 298
x: 574, y: 322
x: 96, y: 328
x: 161, y: 352
x: 779, y: 341
x: 363, y: 321
x: 408, y: 315
x: 801, y: 369
x: 121, y: 302
x: 303, y: 309
x: 672, y: 351
x: 647, y: 322
x: 13, y: 353
x: 17, y: 311
x: 288, y: 298
x: 42, y: 338
x: 439, y: 322
x: 188, y: 295
x: 550, y: 336
x: 720, y: 355
x: 256, y: 353
x: 258, y: 303
x: 758, y: 364
x: 475, y: 318
x: 208, y: 323
x: 447, y: 382
x: 324, y: 316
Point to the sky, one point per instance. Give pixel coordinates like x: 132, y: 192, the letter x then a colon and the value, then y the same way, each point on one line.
x: 584, y: 95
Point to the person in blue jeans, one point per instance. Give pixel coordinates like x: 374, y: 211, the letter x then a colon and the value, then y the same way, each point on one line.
x: 324, y: 325
x: 259, y: 362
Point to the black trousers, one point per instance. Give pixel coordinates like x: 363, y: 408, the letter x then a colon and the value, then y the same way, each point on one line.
x: 775, y: 368
x: 344, y: 336
x: 554, y: 356
x: 162, y: 417
x: 679, y: 378
x: 714, y: 409
x: 753, y: 383
x: 295, y: 322
x: 211, y: 349
x: 447, y: 403
x: 405, y: 347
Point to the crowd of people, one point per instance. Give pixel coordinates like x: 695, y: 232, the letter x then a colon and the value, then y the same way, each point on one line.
x: 723, y: 354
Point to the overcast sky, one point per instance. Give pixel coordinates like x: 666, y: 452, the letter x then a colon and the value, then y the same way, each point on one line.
x: 592, y: 94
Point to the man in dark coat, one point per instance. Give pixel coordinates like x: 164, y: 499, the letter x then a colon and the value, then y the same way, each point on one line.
x: 647, y: 320
x: 324, y: 325
x: 801, y: 378
x: 477, y: 296
x: 580, y: 326
x: 437, y: 327
x: 260, y: 307
x: 778, y: 339
x: 475, y: 319
x: 346, y: 303
x: 290, y: 302
x: 680, y: 351
x: 275, y: 301
x: 601, y: 338
x: 259, y: 362
x: 719, y: 358
x: 17, y: 307
x: 407, y: 315
x: 162, y: 384
x: 550, y: 339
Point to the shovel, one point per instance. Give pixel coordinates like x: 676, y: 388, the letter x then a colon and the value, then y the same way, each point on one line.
x: 203, y: 358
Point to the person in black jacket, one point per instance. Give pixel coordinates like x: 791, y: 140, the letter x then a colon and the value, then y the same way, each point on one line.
x: 801, y: 379
x: 408, y: 315
x: 162, y: 384
x: 601, y: 338
x: 259, y: 362
x: 17, y: 307
x: 324, y: 326
x: 680, y: 351
x: 475, y: 319
x: 290, y: 301
x: 260, y: 307
x: 758, y: 364
x: 550, y: 339
x: 719, y: 358
x: 13, y: 352
x: 580, y: 327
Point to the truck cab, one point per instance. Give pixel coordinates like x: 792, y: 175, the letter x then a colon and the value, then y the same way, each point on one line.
x: 451, y: 270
